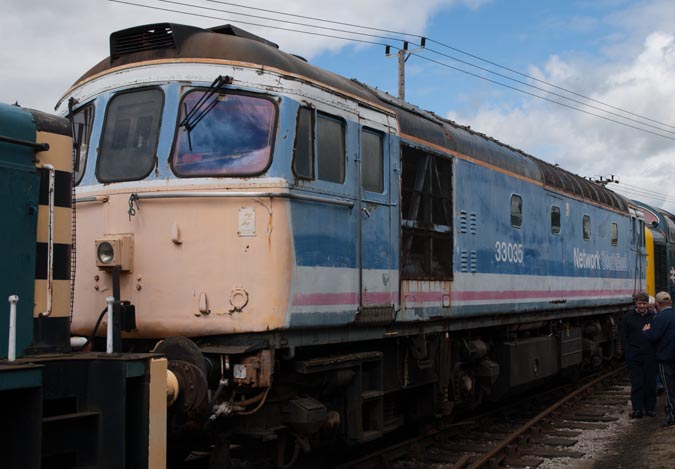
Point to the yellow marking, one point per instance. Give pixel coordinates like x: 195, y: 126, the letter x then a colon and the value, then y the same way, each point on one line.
x: 60, y: 153
x: 651, y: 274
x: 62, y: 225
x: 157, y: 417
x: 60, y: 298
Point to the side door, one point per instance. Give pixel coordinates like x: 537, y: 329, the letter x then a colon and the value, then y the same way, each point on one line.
x: 555, y: 245
x: 377, y: 225
x: 325, y: 224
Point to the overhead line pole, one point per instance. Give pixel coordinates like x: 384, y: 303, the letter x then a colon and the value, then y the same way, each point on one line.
x: 403, y: 55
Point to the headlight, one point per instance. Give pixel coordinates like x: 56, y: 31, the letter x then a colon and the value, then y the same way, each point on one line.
x: 115, y: 251
x: 105, y: 253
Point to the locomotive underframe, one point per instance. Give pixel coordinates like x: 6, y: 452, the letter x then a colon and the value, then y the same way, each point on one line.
x: 355, y: 384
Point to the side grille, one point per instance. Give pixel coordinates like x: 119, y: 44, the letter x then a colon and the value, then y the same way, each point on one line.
x: 144, y: 38
x: 660, y: 268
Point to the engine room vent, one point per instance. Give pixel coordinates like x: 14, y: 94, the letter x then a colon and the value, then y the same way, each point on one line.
x: 168, y: 36
x: 149, y: 37
x: 568, y: 182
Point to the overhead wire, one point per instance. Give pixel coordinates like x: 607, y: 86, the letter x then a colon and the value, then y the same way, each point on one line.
x: 649, y: 194
x: 641, y: 192
x: 249, y: 23
x: 417, y: 54
x: 550, y: 84
x: 660, y: 199
x: 275, y: 19
x: 641, y: 189
x: 442, y: 44
x: 545, y: 98
x: 281, y: 13
x: 549, y: 92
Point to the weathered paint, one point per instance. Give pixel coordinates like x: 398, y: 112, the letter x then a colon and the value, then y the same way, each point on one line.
x: 168, y: 278
x: 60, y: 157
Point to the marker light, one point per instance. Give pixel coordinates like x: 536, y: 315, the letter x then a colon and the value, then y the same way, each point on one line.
x: 105, y: 253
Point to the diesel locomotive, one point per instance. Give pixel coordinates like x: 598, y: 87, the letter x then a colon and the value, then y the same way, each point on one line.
x: 60, y: 407
x: 320, y: 261
x: 660, y: 247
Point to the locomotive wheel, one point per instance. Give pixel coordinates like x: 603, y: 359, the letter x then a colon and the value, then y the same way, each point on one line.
x: 193, y: 397
x: 186, y: 416
x: 180, y: 348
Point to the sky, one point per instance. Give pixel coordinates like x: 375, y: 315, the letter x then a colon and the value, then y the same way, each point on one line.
x: 619, y: 53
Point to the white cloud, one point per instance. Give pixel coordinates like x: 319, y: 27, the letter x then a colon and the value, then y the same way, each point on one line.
x: 47, y: 44
x: 643, y: 83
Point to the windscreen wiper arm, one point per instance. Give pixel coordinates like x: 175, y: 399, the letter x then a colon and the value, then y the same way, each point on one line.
x: 204, y: 105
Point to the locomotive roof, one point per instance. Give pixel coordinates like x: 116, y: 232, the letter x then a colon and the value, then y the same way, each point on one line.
x: 174, y: 41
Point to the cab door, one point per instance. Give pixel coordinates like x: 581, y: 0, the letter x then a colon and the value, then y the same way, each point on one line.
x: 377, y: 259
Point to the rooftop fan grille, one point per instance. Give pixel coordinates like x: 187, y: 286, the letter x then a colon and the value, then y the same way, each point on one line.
x: 139, y: 40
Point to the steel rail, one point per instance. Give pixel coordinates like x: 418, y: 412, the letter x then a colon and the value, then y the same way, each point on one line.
x: 491, y: 456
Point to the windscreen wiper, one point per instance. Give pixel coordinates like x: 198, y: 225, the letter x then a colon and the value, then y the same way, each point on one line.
x: 76, y: 134
x: 203, y: 106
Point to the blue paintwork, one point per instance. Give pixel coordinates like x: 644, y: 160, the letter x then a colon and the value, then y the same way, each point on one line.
x: 487, y: 193
x: 325, y: 235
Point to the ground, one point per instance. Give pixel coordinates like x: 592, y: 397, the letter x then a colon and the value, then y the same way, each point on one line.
x: 624, y: 444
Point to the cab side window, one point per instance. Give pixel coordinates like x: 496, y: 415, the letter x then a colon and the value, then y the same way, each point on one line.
x: 303, y: 161
x: 516, y: 210
x: 319, y: 147
x: 372, y: 177
x: 587, y: 227
x: 330, y: 146
x: 82, y: 121
x: 555, y: 220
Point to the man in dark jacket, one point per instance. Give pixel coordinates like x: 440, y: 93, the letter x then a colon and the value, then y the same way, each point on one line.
x: 640, y: 357
x: 662, y: 334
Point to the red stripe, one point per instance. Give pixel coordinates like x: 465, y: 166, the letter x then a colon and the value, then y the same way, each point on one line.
x: 349, y: 298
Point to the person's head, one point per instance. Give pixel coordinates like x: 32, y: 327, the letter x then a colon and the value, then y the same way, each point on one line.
x: 663, y: 300
x: 641, y: 302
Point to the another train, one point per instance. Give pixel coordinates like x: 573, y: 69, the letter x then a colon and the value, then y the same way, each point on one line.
x: 660, y: 245
x: 320, y: 261
x: 60, y: 407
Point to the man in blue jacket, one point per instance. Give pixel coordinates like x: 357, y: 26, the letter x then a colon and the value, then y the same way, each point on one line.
x: 662, y: 334
x: 640, y: 357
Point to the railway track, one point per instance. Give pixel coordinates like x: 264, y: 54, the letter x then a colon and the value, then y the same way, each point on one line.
x: 522, y: 435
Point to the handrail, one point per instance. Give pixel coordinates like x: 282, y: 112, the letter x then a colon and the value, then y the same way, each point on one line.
x: 109, y: 348
x: 50, y: 242
x: 183, y: 195
x: 25, y: 143
x: 11, y: 343
x: 94, y: 198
